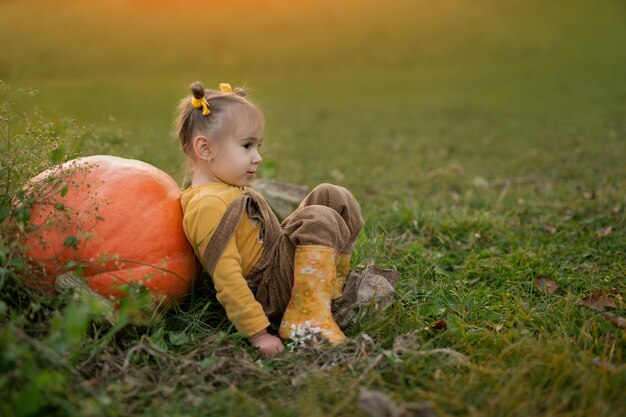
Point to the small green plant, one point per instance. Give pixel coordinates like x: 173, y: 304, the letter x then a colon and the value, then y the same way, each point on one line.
x: 41, y: 338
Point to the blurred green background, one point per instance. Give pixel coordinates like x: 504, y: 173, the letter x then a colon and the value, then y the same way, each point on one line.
x: 397, y: 98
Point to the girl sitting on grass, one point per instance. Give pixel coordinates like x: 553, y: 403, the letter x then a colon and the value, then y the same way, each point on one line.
x: 263, y: 271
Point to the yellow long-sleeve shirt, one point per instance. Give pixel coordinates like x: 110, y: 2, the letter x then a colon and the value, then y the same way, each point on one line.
x: 203, y: 209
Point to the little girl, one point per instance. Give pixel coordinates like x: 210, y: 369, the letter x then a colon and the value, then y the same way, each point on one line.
x: 262, y: 270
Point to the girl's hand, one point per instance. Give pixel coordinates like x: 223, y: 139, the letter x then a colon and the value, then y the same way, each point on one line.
x: 268, y: 344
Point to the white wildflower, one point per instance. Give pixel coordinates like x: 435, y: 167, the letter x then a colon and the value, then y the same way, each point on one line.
x: 303, y: 334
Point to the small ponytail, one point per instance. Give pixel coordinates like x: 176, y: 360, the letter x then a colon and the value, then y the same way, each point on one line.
x: 197, y: 90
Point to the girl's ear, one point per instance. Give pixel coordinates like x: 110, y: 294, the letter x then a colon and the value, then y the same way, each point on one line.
x: 203, y: 148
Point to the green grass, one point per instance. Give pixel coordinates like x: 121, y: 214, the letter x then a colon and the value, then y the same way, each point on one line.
x: 485, y: 141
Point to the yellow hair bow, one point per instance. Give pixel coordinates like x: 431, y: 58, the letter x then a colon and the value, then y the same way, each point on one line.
x: 201, y: 102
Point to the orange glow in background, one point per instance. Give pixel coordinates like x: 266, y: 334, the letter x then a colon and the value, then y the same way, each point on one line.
x: 318, y: 68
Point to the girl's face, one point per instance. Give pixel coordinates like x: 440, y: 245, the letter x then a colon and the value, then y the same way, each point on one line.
x: 236, y: 158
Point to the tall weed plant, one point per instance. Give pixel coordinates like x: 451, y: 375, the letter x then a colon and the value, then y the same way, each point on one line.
x: 42, y: 339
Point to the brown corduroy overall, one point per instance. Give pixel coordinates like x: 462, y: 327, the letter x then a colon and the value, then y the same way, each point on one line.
x: 329, y: 216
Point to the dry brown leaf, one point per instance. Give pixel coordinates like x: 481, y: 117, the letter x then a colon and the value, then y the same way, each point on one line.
x: 374, y: 287
x: 598, y: 301
x: 604, y: 231
x: 440, y: 325
x: 545, y: 284
x: 617, y: 321
x: 373, y: 284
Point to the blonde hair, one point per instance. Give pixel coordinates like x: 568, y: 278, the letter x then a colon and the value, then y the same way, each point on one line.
x: 227, y: 111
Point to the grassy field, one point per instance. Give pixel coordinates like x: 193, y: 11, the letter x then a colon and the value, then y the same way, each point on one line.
x: 485, y: 141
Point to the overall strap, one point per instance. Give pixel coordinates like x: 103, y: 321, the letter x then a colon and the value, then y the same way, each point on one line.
x: 224, y: 232
x: 260, y: 211
x: 252, y: 203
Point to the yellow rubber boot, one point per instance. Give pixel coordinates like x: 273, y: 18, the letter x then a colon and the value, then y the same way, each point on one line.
x: 308, y: 310
x: 343, y: 270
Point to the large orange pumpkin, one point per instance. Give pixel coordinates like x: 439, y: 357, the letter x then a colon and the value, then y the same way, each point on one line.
x: 118, y: 220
